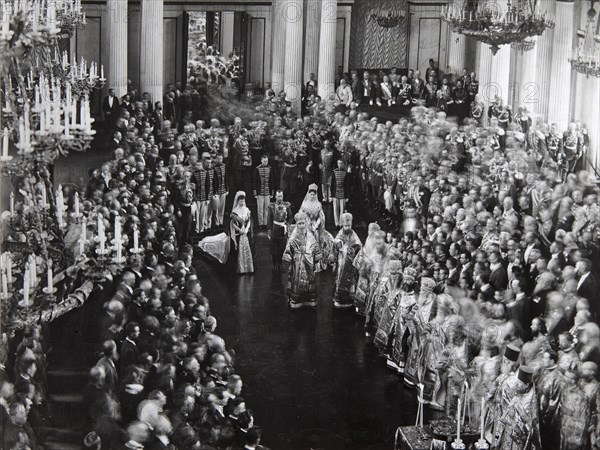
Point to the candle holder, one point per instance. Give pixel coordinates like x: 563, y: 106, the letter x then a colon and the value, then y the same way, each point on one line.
x: 6, y: 296
x: 458, y: 444
x: 135, y: 251
x: 101, y: 252
x: 48, y: 291
x: 6, y: 158
x: 482, y: 445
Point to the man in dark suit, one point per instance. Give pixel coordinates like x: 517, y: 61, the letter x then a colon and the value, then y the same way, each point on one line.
x: 358, y: 89
x: 110, y: 108
x: 498, y: 275
x: 518, y: 309
x: 107, y: 362
x: 587, y: 286
x: 129, y: 349
x: 453, y: 271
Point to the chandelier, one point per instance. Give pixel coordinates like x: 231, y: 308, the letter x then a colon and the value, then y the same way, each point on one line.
x: 586, y: 58
x: 45, y: 108
x: 388, y: 19
x: 495, y: 22
x: 523, y: 46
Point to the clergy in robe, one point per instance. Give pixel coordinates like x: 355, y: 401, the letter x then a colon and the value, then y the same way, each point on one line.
x: 300, y: 257
x: 575, y: 414
x: 386, y: 302
x: 516, y: 420
x: 404, y: 316
x: 369, y: 263
x: 345, y: 248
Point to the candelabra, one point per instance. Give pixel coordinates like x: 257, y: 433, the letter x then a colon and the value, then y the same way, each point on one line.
x: 523, y: 46
x: 488, y: 22
x: 387, y: 19
x: 45, y: 108
x: 586, y: 58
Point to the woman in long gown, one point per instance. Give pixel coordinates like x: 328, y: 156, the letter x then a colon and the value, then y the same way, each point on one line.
x: 301, y: 256
x: 313, y: 210
x: 240, y: 228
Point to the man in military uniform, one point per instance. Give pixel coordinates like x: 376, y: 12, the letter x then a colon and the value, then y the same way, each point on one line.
x: 201, y: 188
x: 263, y: 189
x: 473, y: 86
x: 184, y: 197
x: 210, y: 183
x: 554, y: 142
x: 340, y: 187
x: 279, y: 218
x: 571, y: 148
x: 220, y: 190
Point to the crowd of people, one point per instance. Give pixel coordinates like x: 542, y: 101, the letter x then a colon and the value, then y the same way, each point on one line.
x: 478, y: 282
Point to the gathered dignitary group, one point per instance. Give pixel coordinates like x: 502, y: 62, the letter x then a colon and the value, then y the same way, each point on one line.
x: 476, y: 280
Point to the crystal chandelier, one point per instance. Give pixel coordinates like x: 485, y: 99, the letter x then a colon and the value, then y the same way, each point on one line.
x: 586, y: 58
x: 496, y: 22
x: 388, y: 19
x: 45, y: 108
x: 524, y: 45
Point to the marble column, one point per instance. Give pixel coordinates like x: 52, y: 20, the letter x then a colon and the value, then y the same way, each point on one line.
x: 311, y: 42
x: 457, y: 59
x: 227, y: 32
x: 544, y: 69
x: 151, y: 52
x: 500, y: 74
x: 293, y: 11
x: 117, y: 46
x: 526, y: 82
x: 278, y: 46
x: 327, y: 69
x: 560, y: 77
x: 484, y: 73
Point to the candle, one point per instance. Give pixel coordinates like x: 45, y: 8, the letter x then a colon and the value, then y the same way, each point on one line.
x: 102, y: 72
x: 44, y: 198
x: 5, y: 143
x: 83, y: 228
x: 101, y: 231
x: 12, y: 203
x: 81, y: 247
x: 458, y: 413
x: 482, y: 425
x: 26, y: 287
x: 77, y: 203
x: 50, y: 277
x: 4, y: 285
x: 136, y: 237
x: 9, y: 277
x: 33, y: 270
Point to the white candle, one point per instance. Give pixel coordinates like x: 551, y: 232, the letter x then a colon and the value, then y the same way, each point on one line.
x: 50, y: 276
x: 101, y: 231
x: 102, y: 72
x: 83, y: 228
x: 33, y: 271
x: 67, y: 131
x: 4, y: 285
x: 482, y: 417
x: 136, y: 237
x: 9, y: 277
x: 44, y: 198
x: 76, y: 203
x: 458, y: 413
x: 26, y: 287
x: 12, y: 203
x: 5, y: 143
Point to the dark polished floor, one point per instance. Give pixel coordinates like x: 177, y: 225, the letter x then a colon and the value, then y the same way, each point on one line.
x: 309, y: 378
